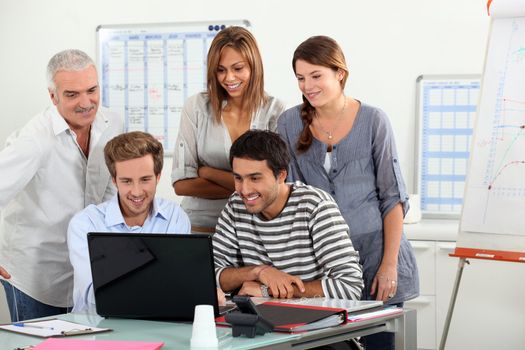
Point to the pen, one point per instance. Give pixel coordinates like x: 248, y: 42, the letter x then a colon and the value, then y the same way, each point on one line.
x: 25, y: 347
x: 20, y: 324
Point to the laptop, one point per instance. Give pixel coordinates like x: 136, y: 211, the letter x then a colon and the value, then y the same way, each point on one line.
x: 152, y: 276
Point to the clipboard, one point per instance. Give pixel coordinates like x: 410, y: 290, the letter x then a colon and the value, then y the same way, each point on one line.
x: 51, y: 328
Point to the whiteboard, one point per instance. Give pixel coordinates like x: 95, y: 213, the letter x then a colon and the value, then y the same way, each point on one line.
x: 494, y: 204
x: 147, y: 71
x: 446, y: 110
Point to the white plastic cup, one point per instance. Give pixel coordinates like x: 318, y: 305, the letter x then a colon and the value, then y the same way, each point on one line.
x: 204, y: 334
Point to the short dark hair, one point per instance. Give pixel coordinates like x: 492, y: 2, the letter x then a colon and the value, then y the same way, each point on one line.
x: 132, y: 145
x: 262, y: 145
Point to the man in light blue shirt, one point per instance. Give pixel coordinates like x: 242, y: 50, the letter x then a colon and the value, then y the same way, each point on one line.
x: 135, y: 162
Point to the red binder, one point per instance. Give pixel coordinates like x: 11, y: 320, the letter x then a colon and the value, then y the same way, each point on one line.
x: 300, y: 318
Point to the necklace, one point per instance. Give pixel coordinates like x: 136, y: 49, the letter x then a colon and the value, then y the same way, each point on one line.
x: 329, y: 133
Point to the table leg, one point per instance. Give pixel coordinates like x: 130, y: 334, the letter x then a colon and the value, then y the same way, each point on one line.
x: 406, y: 331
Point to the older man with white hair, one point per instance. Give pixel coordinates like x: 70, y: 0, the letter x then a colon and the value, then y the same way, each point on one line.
x: 52, y: 168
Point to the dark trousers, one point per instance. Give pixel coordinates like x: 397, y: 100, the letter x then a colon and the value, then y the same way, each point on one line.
x: 23, y: 307
x: 380, y: 341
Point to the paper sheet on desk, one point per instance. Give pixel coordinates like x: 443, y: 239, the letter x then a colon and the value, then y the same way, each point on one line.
x: 52, y: 328
x: 375, y: 314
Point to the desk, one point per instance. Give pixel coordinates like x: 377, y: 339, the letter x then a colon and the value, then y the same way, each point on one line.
x: 177, y: 335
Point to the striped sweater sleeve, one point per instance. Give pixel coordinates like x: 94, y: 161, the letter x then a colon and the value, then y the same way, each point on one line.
x: 226, y: 252
x: 343, y: 278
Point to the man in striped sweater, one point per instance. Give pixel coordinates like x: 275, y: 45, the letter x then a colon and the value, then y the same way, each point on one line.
x: 280, y: 239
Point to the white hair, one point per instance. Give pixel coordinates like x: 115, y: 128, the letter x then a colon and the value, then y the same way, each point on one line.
x: 69, y: 60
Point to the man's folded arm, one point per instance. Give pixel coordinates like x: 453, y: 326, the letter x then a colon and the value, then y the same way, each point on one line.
x: 344, y: 282
x: 232, y: 278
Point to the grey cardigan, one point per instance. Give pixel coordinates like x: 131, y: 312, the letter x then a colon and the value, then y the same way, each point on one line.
x: 366, y: 182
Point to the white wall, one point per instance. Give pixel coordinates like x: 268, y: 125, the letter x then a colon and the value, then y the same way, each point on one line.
x: 387, y: 45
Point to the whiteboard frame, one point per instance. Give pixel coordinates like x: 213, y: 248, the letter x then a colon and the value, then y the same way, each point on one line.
x: 165, y: 28
x: 481, y: 240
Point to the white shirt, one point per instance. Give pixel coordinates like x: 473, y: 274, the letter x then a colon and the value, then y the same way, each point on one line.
x: 46, y: 179
x: 165, y: 217
x: 202, y: 141
x: 327, y: 165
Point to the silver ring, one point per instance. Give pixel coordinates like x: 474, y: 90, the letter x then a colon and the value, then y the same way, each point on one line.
x: 391, y: 295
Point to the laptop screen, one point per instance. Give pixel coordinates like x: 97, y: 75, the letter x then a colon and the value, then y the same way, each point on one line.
x: 152, y: 276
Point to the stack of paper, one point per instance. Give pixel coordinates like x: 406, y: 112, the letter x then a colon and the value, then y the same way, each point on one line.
x: 349, y: 305
x: 374, y: 314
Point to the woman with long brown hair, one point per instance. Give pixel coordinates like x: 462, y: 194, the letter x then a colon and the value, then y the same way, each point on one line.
x: 235, y: 101
x: 347, y: 148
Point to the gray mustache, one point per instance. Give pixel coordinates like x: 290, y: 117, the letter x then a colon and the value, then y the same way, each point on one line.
x: 83, y: 110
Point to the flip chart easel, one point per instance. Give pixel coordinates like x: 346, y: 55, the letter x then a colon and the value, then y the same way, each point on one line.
x: 492, y: 218
x: 468, y: 253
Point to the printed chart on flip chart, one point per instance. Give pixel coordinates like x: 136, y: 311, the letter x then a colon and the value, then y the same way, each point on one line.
x: 446, y: 114
x: 495, y: 201
x: 148, y: 71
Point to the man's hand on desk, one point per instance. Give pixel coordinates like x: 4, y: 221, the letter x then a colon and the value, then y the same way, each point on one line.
x: 4, y: 273
x: 221, y: 298
x: 251, y: 288
x: 280, y: 284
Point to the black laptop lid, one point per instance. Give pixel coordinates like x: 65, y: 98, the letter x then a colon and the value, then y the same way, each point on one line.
x: 152, y: 276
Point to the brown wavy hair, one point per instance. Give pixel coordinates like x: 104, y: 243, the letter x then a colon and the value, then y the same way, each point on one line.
x: 241, y: 40
x: 321, y: 51
x: 132, y: 145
